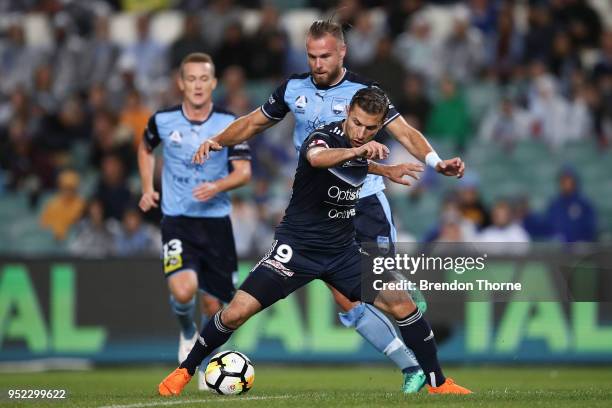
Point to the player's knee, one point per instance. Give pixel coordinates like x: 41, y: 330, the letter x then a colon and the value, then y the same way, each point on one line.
x: 234, y: 316
x: 183, y: 294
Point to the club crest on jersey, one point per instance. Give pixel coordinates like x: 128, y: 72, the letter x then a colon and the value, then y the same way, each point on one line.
x: 300, y: 104
x: 383, y: 243
x: 338, y: 105
x: 175, y: 138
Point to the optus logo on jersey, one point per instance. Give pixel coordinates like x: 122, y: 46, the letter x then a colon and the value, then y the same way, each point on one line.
x: 333, y: 213
x: 336, y: 193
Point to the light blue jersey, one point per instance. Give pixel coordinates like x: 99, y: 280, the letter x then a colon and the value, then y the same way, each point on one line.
x: 315, y: 106
x: 181, y: 138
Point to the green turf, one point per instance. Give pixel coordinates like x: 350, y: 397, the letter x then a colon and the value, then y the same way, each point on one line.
x: 325, y: 386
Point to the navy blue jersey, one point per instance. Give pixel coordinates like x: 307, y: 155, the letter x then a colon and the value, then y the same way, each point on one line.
x: 181, y: 138
x: 314, y: 106
x: 320, y: 213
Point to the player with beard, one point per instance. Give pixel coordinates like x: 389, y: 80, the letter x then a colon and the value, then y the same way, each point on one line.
x: 320, y: 97
x: 316, y: 240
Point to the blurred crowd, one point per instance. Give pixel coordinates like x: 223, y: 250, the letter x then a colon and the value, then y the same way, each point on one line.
x: 464, y: 73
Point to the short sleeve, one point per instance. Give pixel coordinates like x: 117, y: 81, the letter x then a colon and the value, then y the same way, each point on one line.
x: 241, y: 151
x: 391, y: 115
x: 151, y: 134
x: 317, y: 139
x: 275, y: 107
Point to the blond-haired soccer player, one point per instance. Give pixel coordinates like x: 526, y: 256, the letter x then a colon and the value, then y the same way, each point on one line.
x: 198, y: 243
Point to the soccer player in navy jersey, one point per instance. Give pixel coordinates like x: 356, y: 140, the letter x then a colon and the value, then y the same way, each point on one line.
x: 198, y: 243
x: 316, y: 240
x: 317, y: 98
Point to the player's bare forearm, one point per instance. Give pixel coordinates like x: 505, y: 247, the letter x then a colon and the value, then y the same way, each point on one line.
x: 146, y: 167
x: 410, y: 138
x: 376, y: 168
x: 243, y: 128
x: 239, y: 176
x: 325, y: 158
x: 238, y: 131
x: 396, y: 172
x: 419, y: 147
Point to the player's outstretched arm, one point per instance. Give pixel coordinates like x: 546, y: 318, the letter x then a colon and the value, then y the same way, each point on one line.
x: 419, y: 147
x: 239, y: 176
x: 243, y: 128
x: 396, y: 172
x: 146, y: 165
x: 324, y: 157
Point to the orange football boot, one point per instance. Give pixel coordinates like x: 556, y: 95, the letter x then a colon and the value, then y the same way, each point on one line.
x: 174, y: 383
x: 449, y: 387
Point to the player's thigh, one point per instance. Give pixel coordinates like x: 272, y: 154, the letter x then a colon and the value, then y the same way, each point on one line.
x: 344, y: 273
x: 217, y: 255
x: 374, y: 228
x: 279, y: 273
x: 342, y: 301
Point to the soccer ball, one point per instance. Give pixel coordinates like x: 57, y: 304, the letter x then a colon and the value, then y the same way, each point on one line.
x: 230, y: 373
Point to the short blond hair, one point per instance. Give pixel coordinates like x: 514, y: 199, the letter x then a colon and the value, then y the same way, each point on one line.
x: 201, y: 57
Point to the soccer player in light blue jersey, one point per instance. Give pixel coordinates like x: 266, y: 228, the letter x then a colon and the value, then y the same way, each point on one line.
x: 198, y: 243
x: 320, y: 97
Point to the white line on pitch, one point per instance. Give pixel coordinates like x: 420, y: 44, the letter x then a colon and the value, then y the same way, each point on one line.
x: 216, y: 400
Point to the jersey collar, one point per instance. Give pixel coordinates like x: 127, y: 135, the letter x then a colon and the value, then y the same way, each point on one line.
x: 198, y: 122
x: 323, y: 88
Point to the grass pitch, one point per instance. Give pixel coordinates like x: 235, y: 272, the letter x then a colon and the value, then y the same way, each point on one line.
x: 295, y: 386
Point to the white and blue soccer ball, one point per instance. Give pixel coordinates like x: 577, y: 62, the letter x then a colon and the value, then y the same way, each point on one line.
x: 230, y: 373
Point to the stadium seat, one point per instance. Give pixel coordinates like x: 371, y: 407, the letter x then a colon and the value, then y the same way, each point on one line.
x: 285, y: 5
x: 123, y: 28
x: 167, y: 26
x: 296, y: 22
x: 37, y: 29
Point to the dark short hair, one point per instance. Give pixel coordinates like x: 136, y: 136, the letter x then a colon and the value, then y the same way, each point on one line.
x: 320, y: 28
x: 372, y: 100
x: 197, y: 57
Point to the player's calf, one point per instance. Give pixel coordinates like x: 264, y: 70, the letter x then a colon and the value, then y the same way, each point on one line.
x: 239, y: 310
x: 415, y: 331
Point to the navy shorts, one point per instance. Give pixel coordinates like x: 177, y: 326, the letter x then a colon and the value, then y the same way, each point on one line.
x: 204, y: 245
x: 374, y: 224
x: 284, y: 269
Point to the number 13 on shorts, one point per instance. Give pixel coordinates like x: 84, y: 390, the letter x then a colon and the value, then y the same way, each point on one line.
x: 173, y: 255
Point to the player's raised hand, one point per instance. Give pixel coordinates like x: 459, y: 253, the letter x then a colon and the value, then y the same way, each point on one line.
x: 204, y: 150
x: 451, y: 167
x: 373, y: 151
x: 397, y: 172
x: 205, y: 191
x: 148, y: 200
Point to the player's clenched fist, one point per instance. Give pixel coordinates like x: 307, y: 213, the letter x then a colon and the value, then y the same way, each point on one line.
x: 148, y: 200
x: 204, y: 150
x: 373, y: 151
x: 451, y: 167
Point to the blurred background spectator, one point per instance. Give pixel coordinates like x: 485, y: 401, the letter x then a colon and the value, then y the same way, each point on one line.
x: 519, y: 89
x: 65, y: 207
